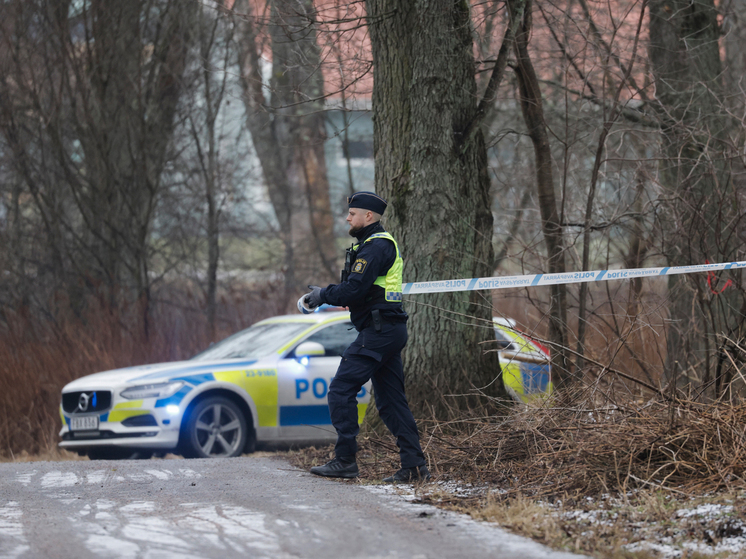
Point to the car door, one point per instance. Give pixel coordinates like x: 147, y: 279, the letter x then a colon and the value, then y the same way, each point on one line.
x: 304, y: 412
x: 525, y: 369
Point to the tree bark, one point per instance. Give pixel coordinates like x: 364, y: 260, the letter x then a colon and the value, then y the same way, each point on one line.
x: 533, y: 115
x: 436, y: 184
x: 289, y: 132
x: 298, y: 94
x: 698, y: 216
x: 93, y: 138
x: 127, y: 117
x: 734, y: 29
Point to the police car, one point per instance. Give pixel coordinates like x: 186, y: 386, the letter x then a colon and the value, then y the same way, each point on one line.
x: 265, y: 384
x: 524, y: 361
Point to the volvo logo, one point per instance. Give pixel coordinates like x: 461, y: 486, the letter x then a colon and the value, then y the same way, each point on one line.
x: 85, y: 400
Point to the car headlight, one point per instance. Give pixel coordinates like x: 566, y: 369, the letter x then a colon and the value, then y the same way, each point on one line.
x: 159, y: 390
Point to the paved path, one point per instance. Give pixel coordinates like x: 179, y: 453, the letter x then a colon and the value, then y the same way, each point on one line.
x: 256, y: 506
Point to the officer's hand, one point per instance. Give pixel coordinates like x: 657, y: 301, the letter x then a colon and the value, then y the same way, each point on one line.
x: 313, y: 299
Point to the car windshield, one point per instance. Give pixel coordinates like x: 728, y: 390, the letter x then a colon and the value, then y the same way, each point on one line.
x: 503, y: 341
x: 257, y: 341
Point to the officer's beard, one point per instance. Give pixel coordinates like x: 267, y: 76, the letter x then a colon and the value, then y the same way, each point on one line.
x: 353, y: 232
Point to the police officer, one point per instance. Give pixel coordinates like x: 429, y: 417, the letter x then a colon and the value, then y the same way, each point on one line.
x: 371, y: 287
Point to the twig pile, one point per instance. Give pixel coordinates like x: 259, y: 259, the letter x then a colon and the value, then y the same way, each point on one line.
x: 682, y: 446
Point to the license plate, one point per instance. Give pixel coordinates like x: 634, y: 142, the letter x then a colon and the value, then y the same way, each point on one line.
x: 85, y: 423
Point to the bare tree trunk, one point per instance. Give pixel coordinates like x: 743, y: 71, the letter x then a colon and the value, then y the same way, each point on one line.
x: 734, y: 28
x: 260, y: 122
x: 609, y: 119
x: 533, y: 114
x: 213, y: 89
x: 127, y: 121
x: 289, y: 134
x: 297, y: 86
x: 697, y: 220
x: 436, y: 183
x: 107, y: 96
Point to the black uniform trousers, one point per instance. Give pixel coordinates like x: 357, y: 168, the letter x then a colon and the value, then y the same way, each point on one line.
x: 375, y: 356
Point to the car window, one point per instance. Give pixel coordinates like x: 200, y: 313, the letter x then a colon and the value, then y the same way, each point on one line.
x: 504, y: 342
x: 335, y: 338
x: 257, y: 341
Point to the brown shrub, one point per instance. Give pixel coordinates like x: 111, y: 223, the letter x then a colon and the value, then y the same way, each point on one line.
x: 577, y: 450
x: 676, y: 444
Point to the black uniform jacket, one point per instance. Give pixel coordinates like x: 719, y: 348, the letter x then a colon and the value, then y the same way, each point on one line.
x: 373, y: 259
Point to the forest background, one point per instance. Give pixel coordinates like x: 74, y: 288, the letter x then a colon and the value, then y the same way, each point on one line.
x: 173, y: 171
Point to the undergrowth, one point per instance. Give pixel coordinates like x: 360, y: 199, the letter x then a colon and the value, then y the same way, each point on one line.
x: 602, y: 479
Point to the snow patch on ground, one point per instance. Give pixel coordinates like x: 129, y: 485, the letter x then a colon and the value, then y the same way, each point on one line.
x: 13, y: 542
x: 486, y: 533
x: 707, y: 529
x: 708, y: 511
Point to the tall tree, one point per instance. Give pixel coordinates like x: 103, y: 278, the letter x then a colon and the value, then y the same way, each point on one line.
x: 431, y: 166
x: 699, y: 216
x: 551, y: 222
x: 288, y: 131
x: 88, y: 110
x: 734, y: 29
x: 207, y: 135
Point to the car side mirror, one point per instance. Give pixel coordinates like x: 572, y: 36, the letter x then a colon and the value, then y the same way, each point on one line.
x: 310, y: 349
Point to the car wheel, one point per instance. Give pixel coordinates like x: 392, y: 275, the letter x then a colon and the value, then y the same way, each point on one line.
x: 216, y: 428
x: 115, y: 453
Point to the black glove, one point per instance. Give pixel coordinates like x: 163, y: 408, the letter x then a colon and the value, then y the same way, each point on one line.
x: 313, y: 299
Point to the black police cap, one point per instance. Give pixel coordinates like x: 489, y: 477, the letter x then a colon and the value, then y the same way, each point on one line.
x: 367, y: 201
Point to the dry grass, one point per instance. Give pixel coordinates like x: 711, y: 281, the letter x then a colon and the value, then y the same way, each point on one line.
x: 587, y: 478
x: 678, y: 445
x: 53, y: 454
x: 624, y: 528
x: 685, y: 447
x: 523, y: 516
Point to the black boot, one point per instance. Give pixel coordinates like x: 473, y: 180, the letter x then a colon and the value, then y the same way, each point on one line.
x: 409, y: 475
x: 337, y: 468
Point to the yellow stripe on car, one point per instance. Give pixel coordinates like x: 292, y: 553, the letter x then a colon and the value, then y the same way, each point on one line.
x: 512, y: 378
x: 510, y: 362
x: 125, y: 410
x: 261, y: 385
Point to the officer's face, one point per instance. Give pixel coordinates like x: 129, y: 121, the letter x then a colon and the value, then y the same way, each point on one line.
x: 357, y: 219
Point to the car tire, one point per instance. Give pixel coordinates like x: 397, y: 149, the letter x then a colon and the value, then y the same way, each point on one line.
x: 115, y: 453
x: 250, y: 445
x: 216, y: 428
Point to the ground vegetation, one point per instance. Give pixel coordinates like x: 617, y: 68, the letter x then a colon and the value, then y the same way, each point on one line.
x: 608, y: 476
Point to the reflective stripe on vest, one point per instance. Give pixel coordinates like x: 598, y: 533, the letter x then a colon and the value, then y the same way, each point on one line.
x: 392, y: 281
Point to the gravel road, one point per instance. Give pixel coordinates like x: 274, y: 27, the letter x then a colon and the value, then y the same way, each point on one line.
x: 255, y: 506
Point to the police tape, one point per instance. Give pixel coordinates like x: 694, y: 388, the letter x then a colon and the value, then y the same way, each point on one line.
x: 505, y: 282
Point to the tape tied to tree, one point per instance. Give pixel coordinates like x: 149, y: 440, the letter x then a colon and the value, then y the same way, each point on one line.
x: 506, y: 282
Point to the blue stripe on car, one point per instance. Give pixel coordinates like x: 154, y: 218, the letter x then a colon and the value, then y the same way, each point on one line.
x: 175, y: 399
x: 304, y: 415
x: 535, y: 377
x: 196, y: 379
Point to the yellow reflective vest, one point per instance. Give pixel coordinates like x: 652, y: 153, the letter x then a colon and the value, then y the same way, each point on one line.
x: 392, y: 281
